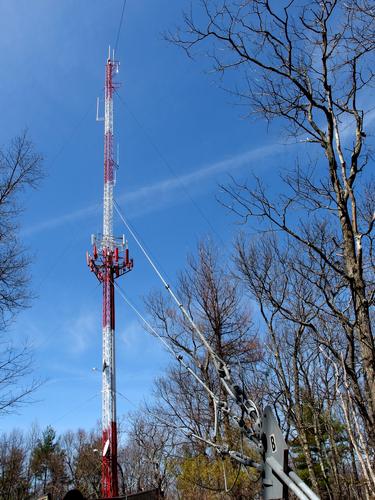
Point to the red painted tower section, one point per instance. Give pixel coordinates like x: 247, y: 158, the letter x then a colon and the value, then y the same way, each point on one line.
x: 109, y: 260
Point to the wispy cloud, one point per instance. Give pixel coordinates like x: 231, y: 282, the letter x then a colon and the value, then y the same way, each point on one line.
x: 163, y: 193
x: 60, y: 220
x: 80, y: 332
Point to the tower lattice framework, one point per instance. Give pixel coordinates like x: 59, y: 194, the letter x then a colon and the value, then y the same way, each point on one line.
x: 109, y: 260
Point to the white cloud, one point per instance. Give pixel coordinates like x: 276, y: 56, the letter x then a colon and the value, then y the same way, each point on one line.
x: 81, y: 331
x: 155, y: 196
x: 62, y: 219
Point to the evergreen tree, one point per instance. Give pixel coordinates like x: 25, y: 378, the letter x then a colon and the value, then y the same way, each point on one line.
x: 47, y: 464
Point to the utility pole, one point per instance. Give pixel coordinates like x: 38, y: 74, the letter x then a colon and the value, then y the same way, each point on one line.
x: 109, y: 260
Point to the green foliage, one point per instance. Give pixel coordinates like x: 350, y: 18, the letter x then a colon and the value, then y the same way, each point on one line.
x: 47, y: 463
x: 323, y: 432
x: 205, y: 477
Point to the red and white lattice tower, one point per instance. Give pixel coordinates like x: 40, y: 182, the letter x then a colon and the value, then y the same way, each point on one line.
x: 109, y: 260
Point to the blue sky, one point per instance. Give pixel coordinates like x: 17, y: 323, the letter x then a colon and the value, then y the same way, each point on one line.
x: 180, y: 136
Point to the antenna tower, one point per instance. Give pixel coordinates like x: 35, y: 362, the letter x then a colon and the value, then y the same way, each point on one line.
x: 109, y: 260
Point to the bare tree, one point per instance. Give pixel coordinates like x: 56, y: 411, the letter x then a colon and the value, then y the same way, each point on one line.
x: 145, y: 460
x: 303, y: 380
x: 15, y: 365
x: 20, y: 169
x: 310, y: 65
x: 214, y: 300
x: 83, y: 460
x: 14, y: 480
